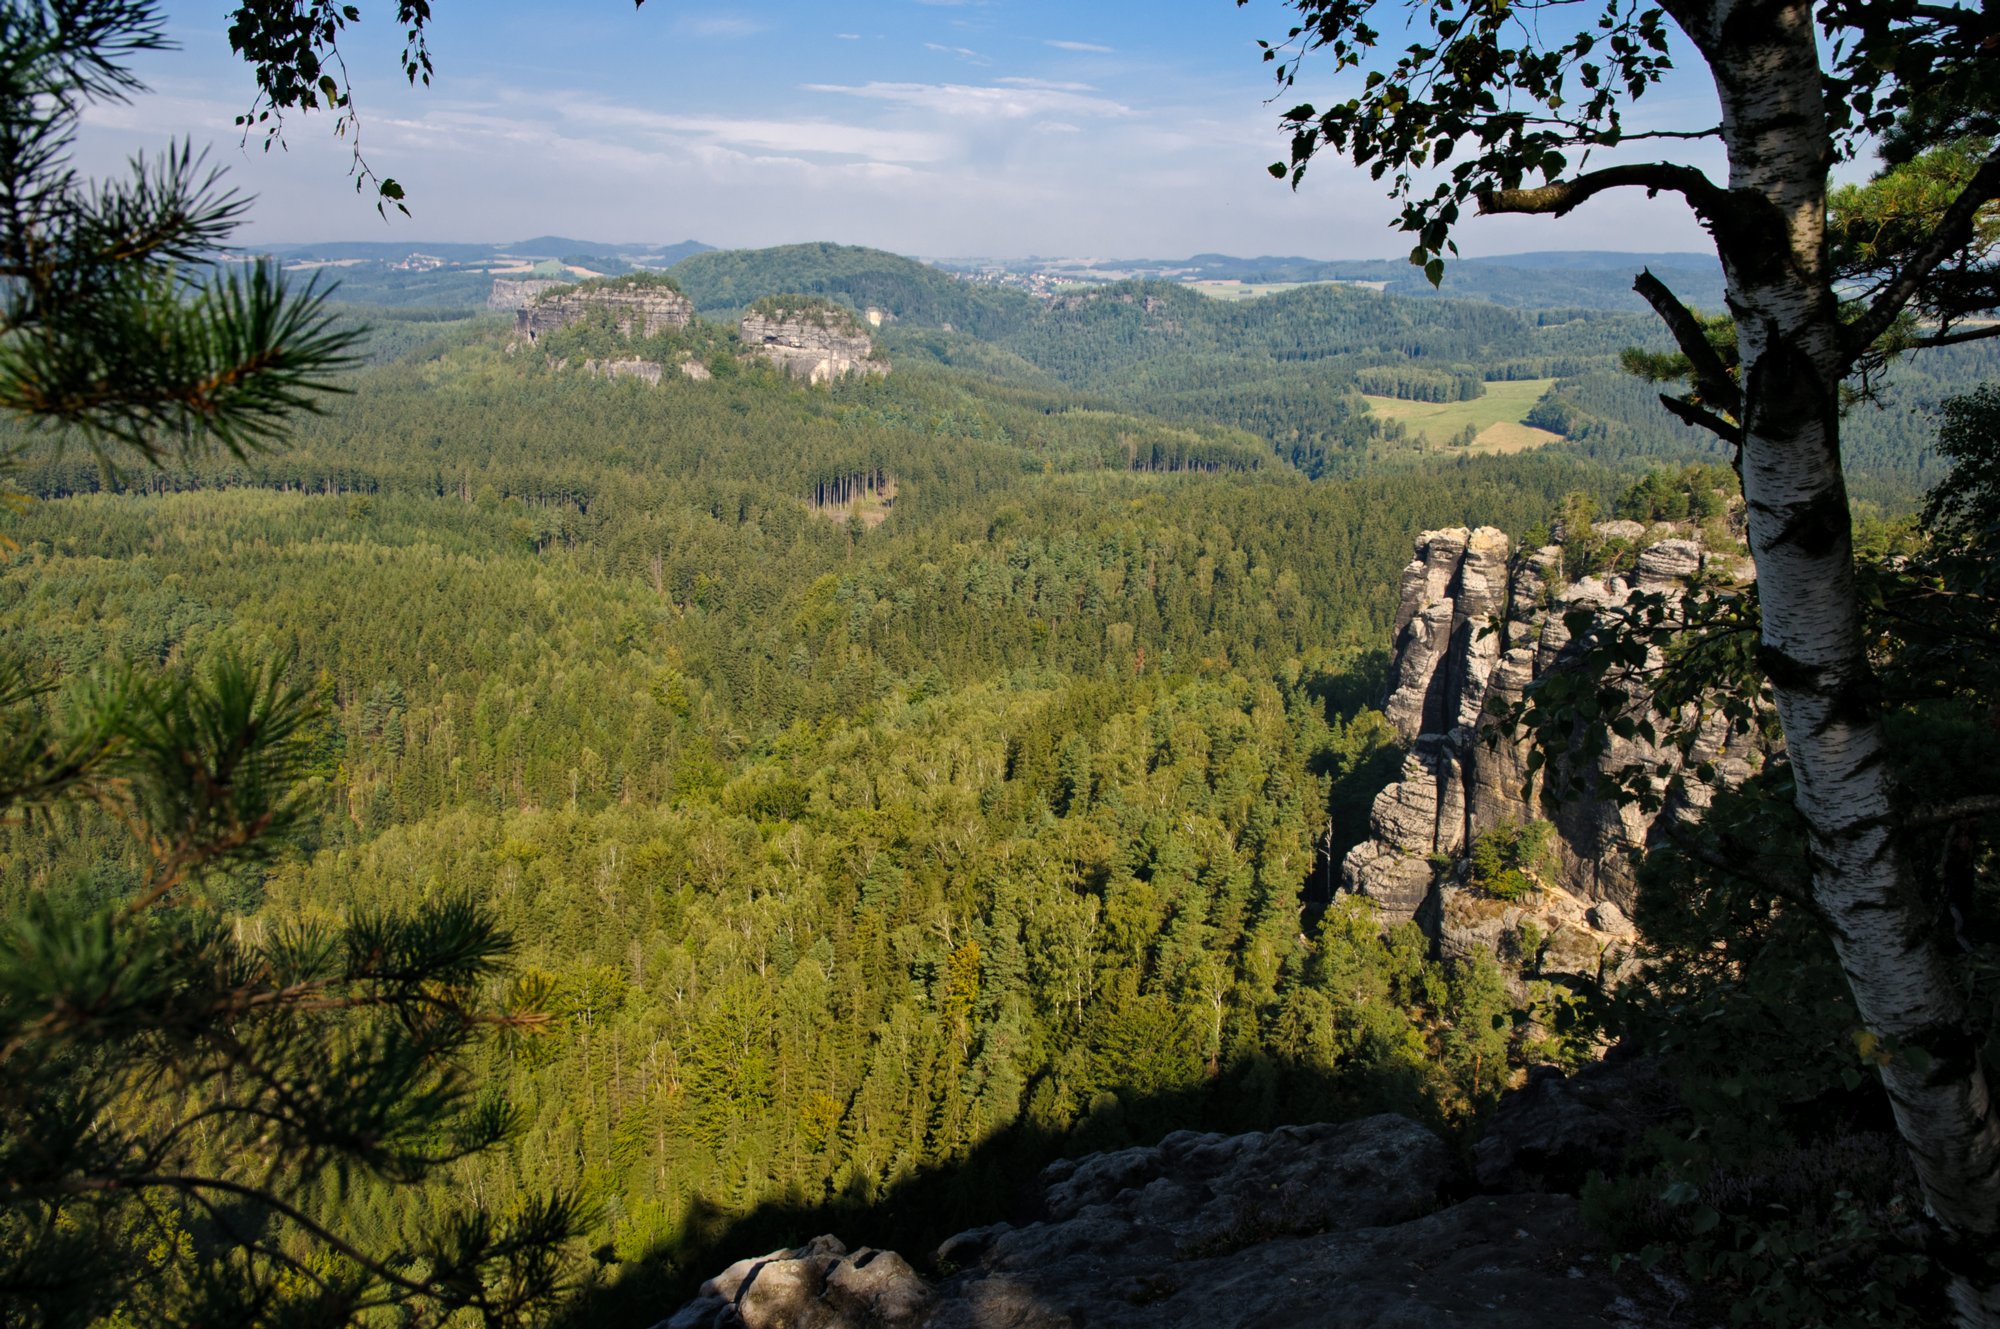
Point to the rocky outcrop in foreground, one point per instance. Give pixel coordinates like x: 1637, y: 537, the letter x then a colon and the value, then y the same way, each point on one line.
x: 1348, y: 1226
x: 1476, y: 626
x: 815, y: 343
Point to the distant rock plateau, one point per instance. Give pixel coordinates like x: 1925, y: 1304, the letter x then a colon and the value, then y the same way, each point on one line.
x: 639, y: 310
x: 817, y: 344
x: 804, y: 337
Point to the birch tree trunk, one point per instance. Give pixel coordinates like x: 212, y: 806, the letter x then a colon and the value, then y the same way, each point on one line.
x: 1765, y: 58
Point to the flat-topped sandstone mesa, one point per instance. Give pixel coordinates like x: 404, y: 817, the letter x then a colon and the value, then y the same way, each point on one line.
x: 641, y: 305
x: 509, y: 293
x: 809, y: 338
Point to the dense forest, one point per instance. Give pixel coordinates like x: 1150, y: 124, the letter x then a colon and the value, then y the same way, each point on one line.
x: 841, y: 851
x: 860, y: 866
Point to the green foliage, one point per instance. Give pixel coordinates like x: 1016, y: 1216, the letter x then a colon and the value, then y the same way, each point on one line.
x: 184, y: 1099
x: 1963, y: 510
x: 1429, y: 96
x: 293, y: 49
x: 727, y: 281
x: 839, y: 863
x: 818, y: 311
x: 1420, y: 384
x: 631, y: 281
x: 1697, y: 493
x: 1776, y: 1182
x: 120, y: 323
x: 1510, y: 861
x: 1775, y: 1185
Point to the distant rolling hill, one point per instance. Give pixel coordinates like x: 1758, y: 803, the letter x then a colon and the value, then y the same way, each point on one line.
x: 1550, y: 279
x: 726, y: 280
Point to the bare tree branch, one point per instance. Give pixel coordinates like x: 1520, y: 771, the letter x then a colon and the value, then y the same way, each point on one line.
x: 1563, y: 196
x: 1955, y: 338
x: 1964, y: 809
x: 1689, y: 413
x: 1711, y: 376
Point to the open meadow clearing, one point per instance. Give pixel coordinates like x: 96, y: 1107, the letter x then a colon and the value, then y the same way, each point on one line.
x: 1496, y: 415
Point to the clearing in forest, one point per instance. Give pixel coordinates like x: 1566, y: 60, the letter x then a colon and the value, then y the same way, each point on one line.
x: 1497, y: 417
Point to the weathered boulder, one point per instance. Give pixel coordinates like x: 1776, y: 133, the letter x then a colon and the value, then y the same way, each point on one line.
x: 821, y: 1285
x: 1555, y: 1130
x: 1348, y: 1226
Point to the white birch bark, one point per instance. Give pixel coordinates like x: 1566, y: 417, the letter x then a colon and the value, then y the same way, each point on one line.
x: 1765, y: 59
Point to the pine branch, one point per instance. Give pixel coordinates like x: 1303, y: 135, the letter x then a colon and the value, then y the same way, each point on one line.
x: 1953, y: 228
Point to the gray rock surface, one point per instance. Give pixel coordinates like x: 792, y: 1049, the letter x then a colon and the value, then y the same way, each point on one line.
x: 1348, y: 1226
x: 1475, y: 628
x: 648, y: 370
x: 641, y: 311
x: 511, y: 294
x: 811, y: 345
x: 1554, y: 1131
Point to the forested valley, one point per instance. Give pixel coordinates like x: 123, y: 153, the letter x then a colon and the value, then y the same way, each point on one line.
x: 860, y: 866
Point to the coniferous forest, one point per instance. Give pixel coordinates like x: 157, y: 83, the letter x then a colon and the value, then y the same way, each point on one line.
x: 495, y: 828
x: 857, y: 867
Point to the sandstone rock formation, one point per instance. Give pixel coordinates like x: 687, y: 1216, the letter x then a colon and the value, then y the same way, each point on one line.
x: 1476, y: 626
x: 640, y: 309
x: 1346, y: 1226
x: 511, y: 294
x: 649, y: 370
x: 813, y: 340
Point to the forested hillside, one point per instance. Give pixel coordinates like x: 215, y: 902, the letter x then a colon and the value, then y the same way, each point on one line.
x: 839, y: 853
x: 861, y: 862
x: 1291, y: 367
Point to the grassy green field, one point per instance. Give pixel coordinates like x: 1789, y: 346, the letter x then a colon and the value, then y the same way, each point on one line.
x: 1239, y: 290
x: 1497, y: 416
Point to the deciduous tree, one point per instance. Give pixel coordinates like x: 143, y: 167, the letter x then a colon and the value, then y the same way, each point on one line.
x: 1512, y: 108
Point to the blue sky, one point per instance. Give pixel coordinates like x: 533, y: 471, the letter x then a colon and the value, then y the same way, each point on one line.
x: 981, y: 127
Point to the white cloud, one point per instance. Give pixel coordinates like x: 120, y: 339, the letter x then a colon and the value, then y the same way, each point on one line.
x: 818, y: 136
x: 968, y: 101
x: 719, y: 25
x: 1159, y: 159
x: 1047, y: 84
x: 972, y: 57
x: 1079, y: 46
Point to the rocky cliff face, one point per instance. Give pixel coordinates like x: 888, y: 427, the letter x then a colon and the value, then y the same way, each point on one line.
x: 1341, y: 1226
x: 647, y: 370
x: 1477, y: 624
x: 511, y: 294
x: 810, y: 345
x: 640, y: 311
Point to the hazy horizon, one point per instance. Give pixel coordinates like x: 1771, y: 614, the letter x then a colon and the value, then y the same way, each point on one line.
x: 934, y: 127
x: 649, y: 244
